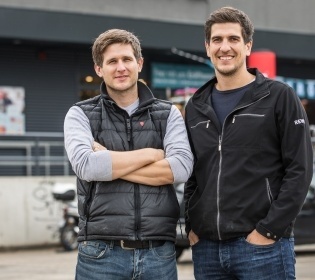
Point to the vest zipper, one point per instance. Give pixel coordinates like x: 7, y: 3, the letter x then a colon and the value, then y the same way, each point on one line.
x: 128, y: 129
x: 137, y: 211
x: 87, y: 208
x: 136, y: 186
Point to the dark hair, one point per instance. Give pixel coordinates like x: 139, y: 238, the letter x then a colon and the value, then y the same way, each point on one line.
x: 114, y: 36
x: 230, y: 14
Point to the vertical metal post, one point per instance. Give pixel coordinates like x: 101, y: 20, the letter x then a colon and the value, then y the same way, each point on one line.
x: 37, y: 156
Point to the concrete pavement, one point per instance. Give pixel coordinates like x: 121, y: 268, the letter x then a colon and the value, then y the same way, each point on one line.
x: 56, y: 264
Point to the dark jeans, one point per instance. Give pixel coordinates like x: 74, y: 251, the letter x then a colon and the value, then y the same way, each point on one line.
x: 98, y: 260
x: 238, y: 259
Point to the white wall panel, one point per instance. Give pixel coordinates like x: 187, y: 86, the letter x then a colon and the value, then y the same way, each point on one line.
x: 29, y: 214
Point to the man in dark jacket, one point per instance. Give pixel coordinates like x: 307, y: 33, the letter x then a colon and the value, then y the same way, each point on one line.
x: 127, y: 149
x: 253, y: 162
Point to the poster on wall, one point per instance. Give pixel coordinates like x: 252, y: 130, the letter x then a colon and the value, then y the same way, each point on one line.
x: 12, y: 117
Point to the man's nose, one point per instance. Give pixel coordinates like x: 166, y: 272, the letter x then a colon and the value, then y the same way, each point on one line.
x: 121, y: 65
x: 225, y: 46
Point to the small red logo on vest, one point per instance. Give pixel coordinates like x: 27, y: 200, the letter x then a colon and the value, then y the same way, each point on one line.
x: 142, y: 123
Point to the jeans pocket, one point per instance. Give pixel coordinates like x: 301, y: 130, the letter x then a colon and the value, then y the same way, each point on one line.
x: 92, y: 249
x: 166, y: 251
x: 260, y: 246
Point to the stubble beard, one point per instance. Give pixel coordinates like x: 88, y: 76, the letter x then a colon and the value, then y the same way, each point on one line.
x: 229, y: 72
x: 117, y: 91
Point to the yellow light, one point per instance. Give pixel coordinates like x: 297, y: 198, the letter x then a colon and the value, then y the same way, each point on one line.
x: 89, y: 79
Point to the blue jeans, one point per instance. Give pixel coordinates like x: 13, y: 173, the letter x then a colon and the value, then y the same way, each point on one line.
x: 238, y: 259
x: 98, y: 260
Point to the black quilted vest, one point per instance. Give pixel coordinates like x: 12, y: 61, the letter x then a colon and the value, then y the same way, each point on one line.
x: 121, y: 209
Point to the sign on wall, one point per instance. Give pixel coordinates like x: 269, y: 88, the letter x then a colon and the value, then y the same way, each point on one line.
x: 179, y: 76
x: 12, y: 103
x: 305, y: 89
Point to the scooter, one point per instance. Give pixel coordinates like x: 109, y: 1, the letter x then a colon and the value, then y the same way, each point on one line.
x: 68, y: 226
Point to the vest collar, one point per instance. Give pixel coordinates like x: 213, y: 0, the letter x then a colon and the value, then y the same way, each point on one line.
x: 146, y: 96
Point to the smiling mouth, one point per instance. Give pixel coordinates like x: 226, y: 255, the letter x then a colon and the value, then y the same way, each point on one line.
x: 121, y: 77
x: 225, y: 58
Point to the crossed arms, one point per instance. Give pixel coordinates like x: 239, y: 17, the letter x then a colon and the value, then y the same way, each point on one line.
x: 148, y: 166
x: 145, y: 166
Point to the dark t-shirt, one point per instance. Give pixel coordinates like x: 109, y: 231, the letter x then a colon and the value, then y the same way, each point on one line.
x: 224, y: 102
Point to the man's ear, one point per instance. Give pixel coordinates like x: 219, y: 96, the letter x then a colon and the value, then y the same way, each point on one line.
x: 249, y: 48
x: 140, y: 64
x: 98, y: 70
x: 207, y: 48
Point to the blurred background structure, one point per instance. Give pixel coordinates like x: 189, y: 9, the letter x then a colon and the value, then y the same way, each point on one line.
x: 46, y: 66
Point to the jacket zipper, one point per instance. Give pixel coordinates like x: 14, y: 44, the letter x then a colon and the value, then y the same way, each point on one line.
x: 220, y: 161
x: 270, y: 197
x: 206, y: 122
x: 218, y: 186
x: 241, y: 115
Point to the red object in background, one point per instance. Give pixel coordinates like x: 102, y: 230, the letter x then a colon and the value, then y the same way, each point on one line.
x: 185, y: 91
x: 265, y: 61
x: 42, y: 55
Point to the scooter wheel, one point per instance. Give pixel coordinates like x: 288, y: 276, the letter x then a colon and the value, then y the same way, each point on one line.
x: 68, y: 237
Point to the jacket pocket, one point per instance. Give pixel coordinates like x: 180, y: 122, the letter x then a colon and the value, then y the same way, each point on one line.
x: 235, y: 117
x: 201, y: 124
x: 246, y: 130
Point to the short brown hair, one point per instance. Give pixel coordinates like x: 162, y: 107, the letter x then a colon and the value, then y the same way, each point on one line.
x: 230, y: 14
x: 114, y: 36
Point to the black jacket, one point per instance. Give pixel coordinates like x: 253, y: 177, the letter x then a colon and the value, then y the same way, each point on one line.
x: 120, y: 209
x: 255, y: 172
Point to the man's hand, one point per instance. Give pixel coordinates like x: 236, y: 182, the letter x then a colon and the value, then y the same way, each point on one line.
x: 193, y: 238
x: 160, y: 154
x: 257, y: 239
x: 97, y: 147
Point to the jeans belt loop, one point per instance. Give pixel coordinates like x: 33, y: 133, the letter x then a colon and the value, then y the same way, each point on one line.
x: 122, y: 246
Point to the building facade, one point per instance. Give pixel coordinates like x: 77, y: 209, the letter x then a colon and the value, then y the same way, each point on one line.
x: 45, y: 51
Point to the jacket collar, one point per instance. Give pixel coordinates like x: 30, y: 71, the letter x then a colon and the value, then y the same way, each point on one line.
x: 259, y: 90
